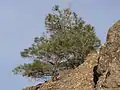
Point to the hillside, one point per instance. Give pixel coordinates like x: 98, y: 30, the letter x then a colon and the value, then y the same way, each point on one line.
x: 100, y: 71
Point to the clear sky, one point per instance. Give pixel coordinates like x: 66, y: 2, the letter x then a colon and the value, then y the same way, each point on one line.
x: 22, y: 20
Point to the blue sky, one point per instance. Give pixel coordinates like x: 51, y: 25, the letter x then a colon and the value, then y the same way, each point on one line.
x: 22, y: 20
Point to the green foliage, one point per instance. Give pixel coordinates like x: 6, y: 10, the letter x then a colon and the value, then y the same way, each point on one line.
x: 67, y: 42
x: 35, y: 70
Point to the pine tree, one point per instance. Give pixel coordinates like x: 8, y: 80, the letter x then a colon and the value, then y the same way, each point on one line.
x: 65, y: 44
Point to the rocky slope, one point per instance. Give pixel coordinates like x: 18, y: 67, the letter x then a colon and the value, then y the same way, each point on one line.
x: 100, y: 71
x: 109, y: 61
x: 80, y: 78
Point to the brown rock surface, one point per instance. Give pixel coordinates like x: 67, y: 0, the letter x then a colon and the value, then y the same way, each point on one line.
x: 109, y: 61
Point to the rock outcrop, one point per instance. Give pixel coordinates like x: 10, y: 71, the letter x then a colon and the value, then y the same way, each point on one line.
x: 100, y: 71
x: 109, y: 61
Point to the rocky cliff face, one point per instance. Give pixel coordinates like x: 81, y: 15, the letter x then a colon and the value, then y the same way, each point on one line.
x: 109, y: 61
x: 100, y: 71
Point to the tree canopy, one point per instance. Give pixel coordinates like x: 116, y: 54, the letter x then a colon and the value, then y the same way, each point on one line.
x: 65, y: 44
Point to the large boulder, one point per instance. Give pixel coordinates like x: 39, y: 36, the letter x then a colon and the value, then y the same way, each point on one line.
x: 108, y: 68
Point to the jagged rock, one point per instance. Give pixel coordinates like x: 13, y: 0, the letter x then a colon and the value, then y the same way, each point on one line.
x: 109, y: 61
